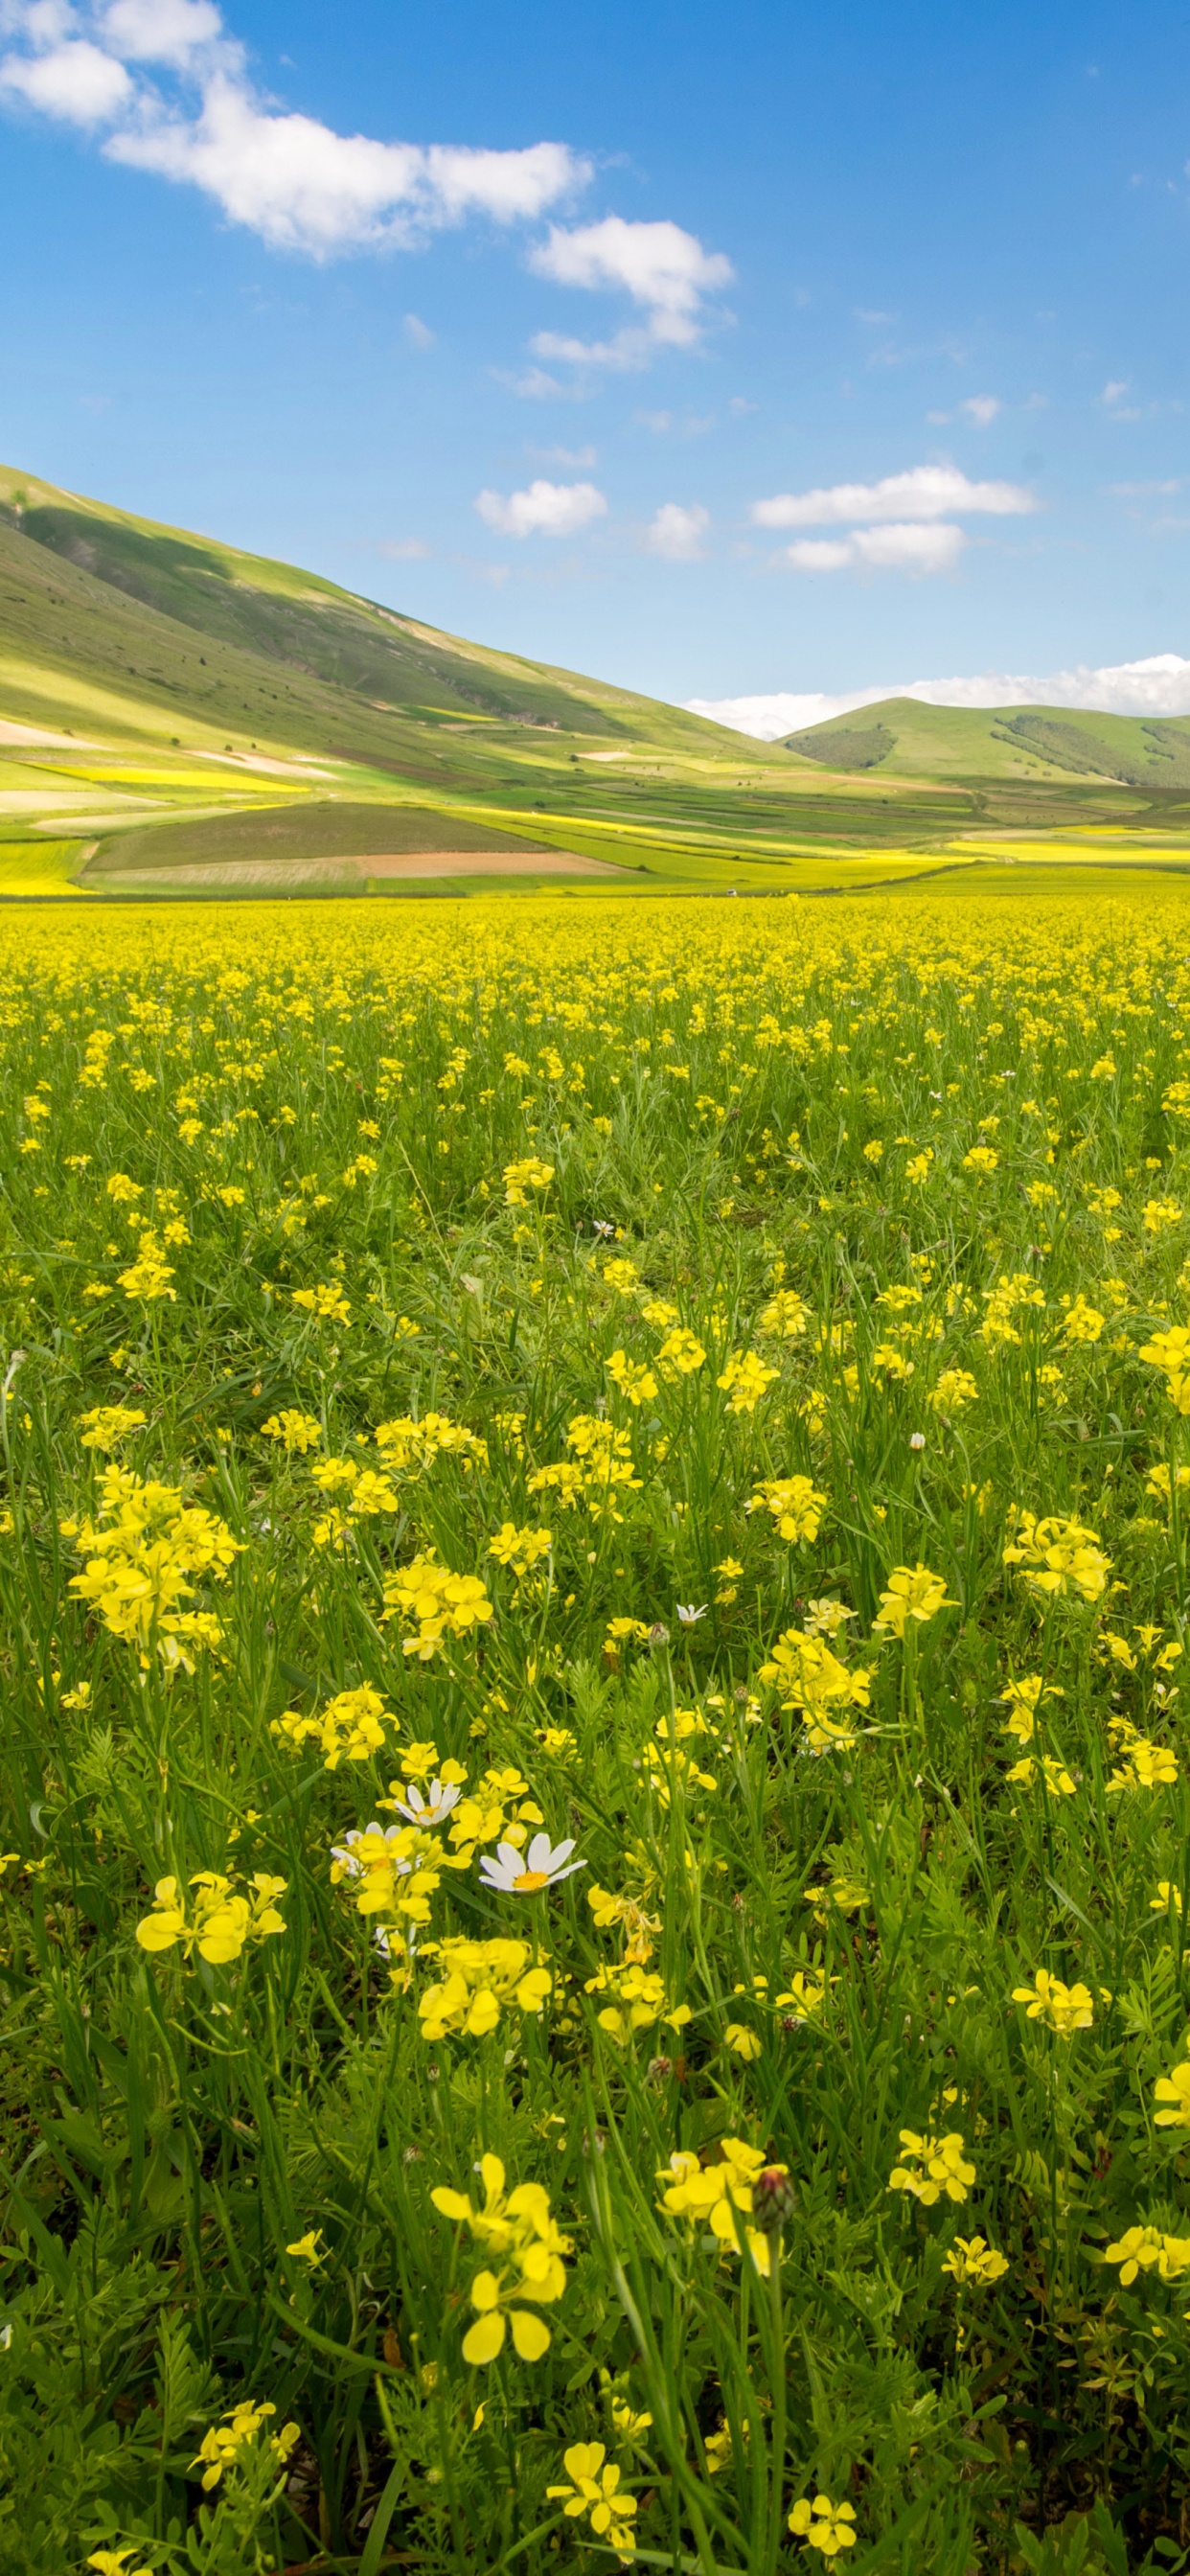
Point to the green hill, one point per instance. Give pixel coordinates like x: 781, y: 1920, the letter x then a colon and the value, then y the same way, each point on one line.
x: 901, y: 738
x: 179, y: 716
x: 211, y: 636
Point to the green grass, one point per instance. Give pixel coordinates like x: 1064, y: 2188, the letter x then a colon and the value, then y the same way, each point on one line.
x: 305, y: 831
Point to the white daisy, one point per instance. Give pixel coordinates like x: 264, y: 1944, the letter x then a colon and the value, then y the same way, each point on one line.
x: 429, y: 1810
x: 516, y: 1873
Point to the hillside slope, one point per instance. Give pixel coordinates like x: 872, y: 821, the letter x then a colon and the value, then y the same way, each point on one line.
x: 215, y: 636
x: 901, y: 738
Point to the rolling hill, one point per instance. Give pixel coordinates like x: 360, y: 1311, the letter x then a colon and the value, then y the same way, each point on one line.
x: 177, y: 715
x: 901, y: 738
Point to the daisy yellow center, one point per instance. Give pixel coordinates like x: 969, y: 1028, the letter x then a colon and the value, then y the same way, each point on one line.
x: 529, y: 1882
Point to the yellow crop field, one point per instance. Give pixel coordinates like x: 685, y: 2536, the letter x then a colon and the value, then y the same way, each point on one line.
x: 594, y: 1853
x: 31, y: 870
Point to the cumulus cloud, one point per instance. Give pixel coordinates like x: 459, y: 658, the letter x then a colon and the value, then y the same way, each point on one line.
x: 286, y: 176
x: 73, y: 80
x: 924, y: 492
x: 664, y: 270
x: 173, y: 90
x: 678, y: 533
x: 545, y: 510
x: 1157, y: 686
x: 981, y: 409
x: 160, y: 31
x: 901, y: 546
x: 303, y: 187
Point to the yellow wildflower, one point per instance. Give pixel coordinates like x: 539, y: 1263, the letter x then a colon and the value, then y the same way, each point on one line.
x: 819, y: 2524
x: 1062, y: 2008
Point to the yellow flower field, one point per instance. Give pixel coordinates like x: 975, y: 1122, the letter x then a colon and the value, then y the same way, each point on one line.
x: 595, y: 1833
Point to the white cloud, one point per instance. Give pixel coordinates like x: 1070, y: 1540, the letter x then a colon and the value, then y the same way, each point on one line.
x: 580, y: 459
x: 286, y: 176
x: 1157, y: 686
x: 418, y: 333
x: 902, y: 546
x: 1115, y: 390
x: 404, y: 550
x: 677, y: 533
x: 74, y: 81
x: 545, y: 510
x: 303, y: 187
x: 511, y: 187
x: 776, y: 711
x: 172, y: 86
x: 160, y: 31
x: 820, y: 554
x: 924, y: 492
x: 981, y: 409
x: 665, y: 270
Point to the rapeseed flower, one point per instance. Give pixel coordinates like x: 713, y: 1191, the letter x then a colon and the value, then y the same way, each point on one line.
x: 793, y: 1503
x: 819, y: 2524
x: 974, y: 2264
x: 520, y: 1178
x: 326, y: 1303
x: 595, y: 2489
x: 477, y: 1979
x: 632, y: 1378
x: 431, y: 1604
x: 744, y: 1380
x: 718, y: 2196
x: 912, y: 1593
x: 932, y: 2166
x: 223, y: 1919
x: 517, y: 2230
x: 1143, y: 2249
x: 222, y: 2443
x: 1057, y: 1556
x: 1173, y: 2090
x: 1064, y: 2009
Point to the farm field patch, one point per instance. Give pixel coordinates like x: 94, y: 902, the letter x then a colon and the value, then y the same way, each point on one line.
x: 594, y: 1832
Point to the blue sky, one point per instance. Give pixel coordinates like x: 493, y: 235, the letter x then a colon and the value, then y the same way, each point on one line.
x: 737, y: 355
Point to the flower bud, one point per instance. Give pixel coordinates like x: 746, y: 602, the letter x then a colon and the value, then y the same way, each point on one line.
x: 774, y: 2199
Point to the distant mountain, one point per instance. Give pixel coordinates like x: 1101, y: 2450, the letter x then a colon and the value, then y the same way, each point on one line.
x: 901, y: 738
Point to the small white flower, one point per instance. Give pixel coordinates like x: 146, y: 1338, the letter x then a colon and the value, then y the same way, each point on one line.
x: 427, y: 1811
x: 917, y: 1440
x: 515, y: 1873
x: 599, y: 1226
x: 688, y: 1616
